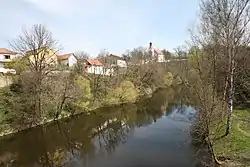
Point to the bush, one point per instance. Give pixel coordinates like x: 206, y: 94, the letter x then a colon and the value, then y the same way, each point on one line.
x: 83, y: 84
x: 5, y: 106
x: 16, y: 107
x: 19, y: 64
x: 113, y: 97
x: 125, y: 93
x: 128, y: 92
x: 168, y: 79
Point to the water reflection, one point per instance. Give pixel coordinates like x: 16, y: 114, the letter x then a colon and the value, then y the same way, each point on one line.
x: 111, y: 136
x: 182, y: 113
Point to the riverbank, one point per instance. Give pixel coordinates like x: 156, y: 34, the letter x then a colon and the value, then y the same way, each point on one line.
x: 116, y: 132
x: 10, y: 131
x: 234, y: 149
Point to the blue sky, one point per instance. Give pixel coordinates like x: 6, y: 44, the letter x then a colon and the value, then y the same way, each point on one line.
x: 94, y: 25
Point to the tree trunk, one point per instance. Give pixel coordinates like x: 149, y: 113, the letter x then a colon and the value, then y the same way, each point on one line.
x: 230, y: 99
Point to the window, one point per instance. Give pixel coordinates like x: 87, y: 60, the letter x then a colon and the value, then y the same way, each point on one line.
x: 7, y: 56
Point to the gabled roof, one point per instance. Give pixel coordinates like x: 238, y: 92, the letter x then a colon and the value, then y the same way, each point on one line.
x: 94, y: 62
x: 115, y: 56
x: 64, y: 56
x: 158, y: 52
x: 6, y: 51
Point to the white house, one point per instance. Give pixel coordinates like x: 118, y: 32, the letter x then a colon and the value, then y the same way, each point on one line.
x: 94, y: 66
x: 67, y: 59
x: 156, y: 53
x: 117, y: 61
x: 121, y: 63
x: 160, y: 56
x: 6, y: 56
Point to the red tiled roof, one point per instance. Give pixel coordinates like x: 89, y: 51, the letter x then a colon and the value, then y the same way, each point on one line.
x: 157, y: 51
x: 63, y: 57
x: 6, y: 51
x: 94, y: 62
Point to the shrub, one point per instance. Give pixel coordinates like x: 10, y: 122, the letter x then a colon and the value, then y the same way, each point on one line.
x: 128, y: 92
x: 125, y: 93
x: 83, y: 84
x: 168, y: 79
x: 19, y: 64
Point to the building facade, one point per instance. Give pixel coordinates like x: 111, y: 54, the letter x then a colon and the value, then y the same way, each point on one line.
x: 68, y: 60
x: 6, y: 56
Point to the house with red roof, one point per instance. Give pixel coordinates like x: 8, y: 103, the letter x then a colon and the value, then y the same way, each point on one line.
x: 6, y: 56
x: 68, y: 60
x: 157, y: 54
x: 94, y: 66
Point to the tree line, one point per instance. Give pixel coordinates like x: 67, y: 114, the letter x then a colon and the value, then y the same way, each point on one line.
x: 42, y: 92
x: 217, y: 73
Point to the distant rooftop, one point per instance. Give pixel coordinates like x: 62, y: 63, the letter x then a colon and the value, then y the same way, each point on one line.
x: 94, y: 62
x: 64, y: 56
x: 6, y: 51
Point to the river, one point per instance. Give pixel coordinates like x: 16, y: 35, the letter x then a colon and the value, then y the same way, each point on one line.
x: 155, y: 133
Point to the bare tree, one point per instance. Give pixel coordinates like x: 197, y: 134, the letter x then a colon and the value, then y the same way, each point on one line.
x: 222, y: 31
x: 39, y: 48
x: 181, y: 52
x: 225, y: 28
x: 167, y: 54
x: 204, y: 96
x: 81, y: 56
x: 38, y: 45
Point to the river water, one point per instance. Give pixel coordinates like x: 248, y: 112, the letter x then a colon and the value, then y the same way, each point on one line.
x: 155, y: 133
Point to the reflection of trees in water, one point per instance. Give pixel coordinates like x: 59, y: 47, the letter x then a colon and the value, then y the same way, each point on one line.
x: 163, y: 97
x: 51, y: 156
x: 181, y: 112
x: 56, y: 158
x: 7, y: 159
x: 116, y: 129
x: 85, y: 136
x: 159, y: 101
x: 143, y: 119
x: 113, y: 135
x: 100, y: 139
x: 111, y: 127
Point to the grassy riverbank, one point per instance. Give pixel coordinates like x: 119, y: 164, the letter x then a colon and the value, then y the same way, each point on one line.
x: 25, y: 103
x: 235, y: 148
x: 6, y: 129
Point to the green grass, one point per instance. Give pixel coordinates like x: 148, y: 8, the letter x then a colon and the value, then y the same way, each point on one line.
x: 236, y: 145
x: 242, y: 113
x: 245, y: 127
x: 244, y: 124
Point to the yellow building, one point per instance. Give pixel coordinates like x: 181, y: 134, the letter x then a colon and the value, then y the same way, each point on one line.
x: 45, y: 57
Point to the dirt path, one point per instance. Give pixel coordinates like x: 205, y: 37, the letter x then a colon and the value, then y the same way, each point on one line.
x: 239, y: 123
x: 241, y: 130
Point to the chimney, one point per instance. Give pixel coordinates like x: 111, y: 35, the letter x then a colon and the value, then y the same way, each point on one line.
x: 150, y: 45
